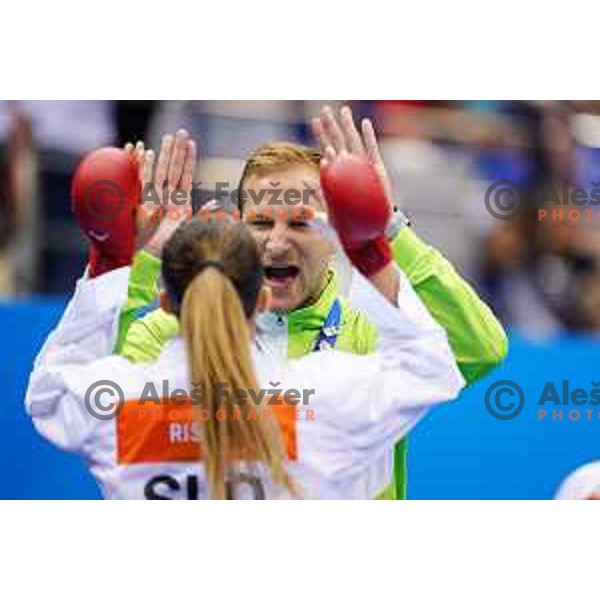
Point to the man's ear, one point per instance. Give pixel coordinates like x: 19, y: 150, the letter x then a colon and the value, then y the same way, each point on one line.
x: 165, y: 303
x: 263, y: 302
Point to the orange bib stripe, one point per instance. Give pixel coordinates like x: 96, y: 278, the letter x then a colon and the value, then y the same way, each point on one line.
x: 155, y: 433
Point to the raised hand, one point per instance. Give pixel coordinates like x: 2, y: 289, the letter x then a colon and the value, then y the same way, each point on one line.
x: 172, y: 178
x: 149, y: 215
x: 337, y: 134
x: 356, y: 189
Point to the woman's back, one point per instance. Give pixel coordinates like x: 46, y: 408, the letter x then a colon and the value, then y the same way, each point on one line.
x: 213, y: 418
x: 148, y: 444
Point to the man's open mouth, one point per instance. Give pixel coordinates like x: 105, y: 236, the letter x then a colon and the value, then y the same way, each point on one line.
x: 281, y: 275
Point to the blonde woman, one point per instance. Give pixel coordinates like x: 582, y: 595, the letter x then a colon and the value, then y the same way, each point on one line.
x: 213, y: 417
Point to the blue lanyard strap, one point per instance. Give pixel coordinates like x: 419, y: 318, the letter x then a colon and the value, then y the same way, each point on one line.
x: 329, y: 331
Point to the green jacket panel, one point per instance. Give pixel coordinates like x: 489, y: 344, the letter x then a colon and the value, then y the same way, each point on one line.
x: 477, y: 338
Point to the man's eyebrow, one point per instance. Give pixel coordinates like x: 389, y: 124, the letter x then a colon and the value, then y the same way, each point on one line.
x: 304, y: 213
x: 266, y: 218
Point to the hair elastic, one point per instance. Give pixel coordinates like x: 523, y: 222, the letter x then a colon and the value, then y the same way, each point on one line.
x: 203, y: 264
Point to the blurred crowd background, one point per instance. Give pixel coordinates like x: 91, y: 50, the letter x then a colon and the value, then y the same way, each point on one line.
x: 541, y: 276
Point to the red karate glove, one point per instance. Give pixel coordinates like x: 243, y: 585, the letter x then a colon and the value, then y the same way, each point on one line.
x: 359, y: 211
x: 105, y: 192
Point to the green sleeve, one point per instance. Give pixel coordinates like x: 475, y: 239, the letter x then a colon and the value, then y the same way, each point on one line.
x: 148, y: 336
x: 477, y: 338
x: 141, y: 293
x: 142, y: 339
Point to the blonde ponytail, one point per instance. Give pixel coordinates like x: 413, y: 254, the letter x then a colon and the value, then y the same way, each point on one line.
x: 217, y: 335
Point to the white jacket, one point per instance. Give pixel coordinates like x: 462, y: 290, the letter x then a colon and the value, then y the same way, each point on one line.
x: 361, y: 405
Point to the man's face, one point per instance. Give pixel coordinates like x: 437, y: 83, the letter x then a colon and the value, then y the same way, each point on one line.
x: 294, y: 253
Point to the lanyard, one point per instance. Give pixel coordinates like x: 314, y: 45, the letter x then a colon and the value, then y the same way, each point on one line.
x: 329, y: 331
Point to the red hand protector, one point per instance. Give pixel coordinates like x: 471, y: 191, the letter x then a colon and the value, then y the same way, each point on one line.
x: 359, y: 211
x: 105, y: 192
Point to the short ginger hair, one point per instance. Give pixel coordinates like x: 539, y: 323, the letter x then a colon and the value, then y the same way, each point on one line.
x: 278, y: 156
